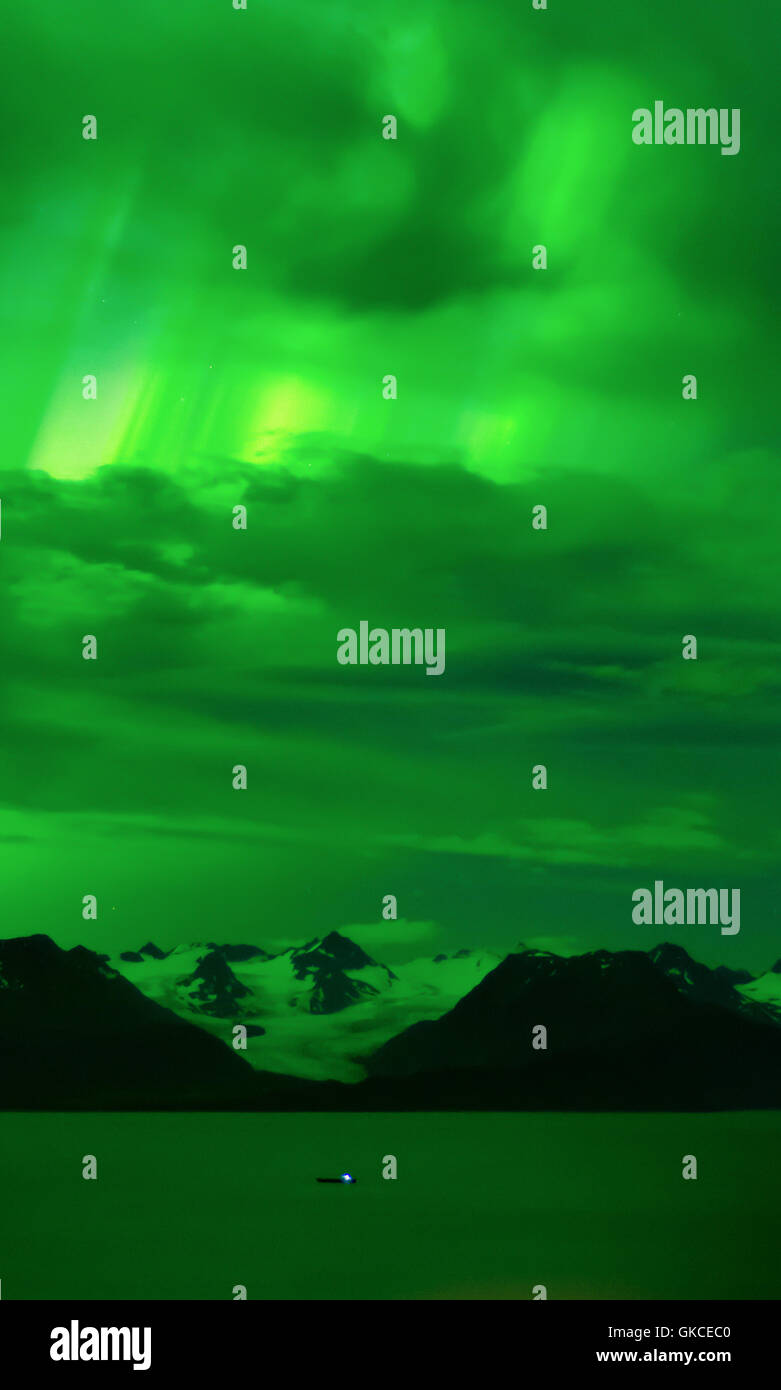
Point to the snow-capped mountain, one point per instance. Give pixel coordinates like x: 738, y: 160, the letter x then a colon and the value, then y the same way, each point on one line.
x: 699, y: 982
x: 730, y: 989
x: 321, y: 1010
x: 625, y: 1029
x: 765, y: 990
x: 620, y: 1034
x: 191, y: 980
x: 309, y: 1010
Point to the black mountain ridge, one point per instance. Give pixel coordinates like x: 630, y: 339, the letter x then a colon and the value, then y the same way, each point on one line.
x: 620, y: 1035
x: 326, y: 962
x: 75, y: 1035
x: 628, y: 1030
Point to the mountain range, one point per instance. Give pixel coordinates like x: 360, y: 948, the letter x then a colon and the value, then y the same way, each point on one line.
x: 328, y: 1027
x: 621, y: 1034
x: 74, y: 1034
x: 311, y: 1009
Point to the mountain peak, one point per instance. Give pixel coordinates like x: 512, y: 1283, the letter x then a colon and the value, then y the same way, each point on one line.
x: 336, y: 943
x: 151, y: 950
x: 215, y: 989
x: 238, y: 952
x: 345, y: 953
x: 82, y: 1036
x: 326, y: 964
x: 670, y: 952
x: 38, y: 944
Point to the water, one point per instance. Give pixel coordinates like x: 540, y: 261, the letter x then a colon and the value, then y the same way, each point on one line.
x: 485, y: 1206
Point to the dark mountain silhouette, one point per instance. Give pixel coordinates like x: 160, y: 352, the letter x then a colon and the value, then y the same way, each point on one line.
x: 332, y: 952
x: 240, y: 953
x: 324, y: 963
x: 735, y: 977
x: 149, y: 950
x: 620, y: 1035
x: 75, y: 1034
x: 698, y: 981
x: 708, y: 986
x: 212, y: 987
x: 625, y: 1031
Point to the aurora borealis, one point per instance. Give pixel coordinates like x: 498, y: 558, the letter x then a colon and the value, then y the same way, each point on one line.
x: 263, y: 387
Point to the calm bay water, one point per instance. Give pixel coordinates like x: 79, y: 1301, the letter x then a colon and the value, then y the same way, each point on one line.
x: 485, y: 1206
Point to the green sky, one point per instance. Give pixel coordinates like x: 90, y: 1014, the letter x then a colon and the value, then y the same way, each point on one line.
x: 263, y: 387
